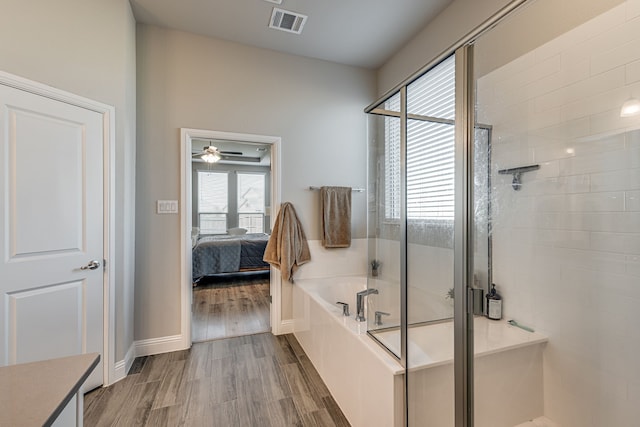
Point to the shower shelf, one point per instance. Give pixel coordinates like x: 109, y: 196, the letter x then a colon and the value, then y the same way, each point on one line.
x: 517, y: 174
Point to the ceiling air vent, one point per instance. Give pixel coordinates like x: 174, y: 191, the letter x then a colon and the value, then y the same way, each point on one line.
x: 287, y: 21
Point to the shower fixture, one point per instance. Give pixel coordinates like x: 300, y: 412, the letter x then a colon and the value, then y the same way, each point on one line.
x: 517, y: 174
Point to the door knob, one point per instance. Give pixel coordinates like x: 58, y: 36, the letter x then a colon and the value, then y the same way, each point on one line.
x: 93, y: 265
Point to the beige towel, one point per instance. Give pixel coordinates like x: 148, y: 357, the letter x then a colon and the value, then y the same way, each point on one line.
x: 335, y: 208
x: 287, y: 248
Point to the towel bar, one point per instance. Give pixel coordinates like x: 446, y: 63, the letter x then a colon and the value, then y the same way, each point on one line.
x: 355, y: 190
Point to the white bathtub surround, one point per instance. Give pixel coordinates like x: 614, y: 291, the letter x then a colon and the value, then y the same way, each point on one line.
x: 367, y: 382
x: 429, y: 278
x: 362, y: 377
x: 325, y: 262
x: 426, y: 303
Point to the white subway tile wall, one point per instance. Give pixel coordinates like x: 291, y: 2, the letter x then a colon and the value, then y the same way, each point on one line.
x: 567, y: 245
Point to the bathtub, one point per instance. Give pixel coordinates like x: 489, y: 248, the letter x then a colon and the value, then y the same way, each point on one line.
x: 367, y: 382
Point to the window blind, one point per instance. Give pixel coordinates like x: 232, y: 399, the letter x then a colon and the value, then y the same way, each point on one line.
x: 430, y: 148
x: 212, y: 192
x: 392, y: 160
x: 434, y: 93
x: 430, y: 170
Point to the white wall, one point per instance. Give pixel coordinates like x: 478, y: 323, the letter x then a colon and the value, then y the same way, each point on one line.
x: 567, y: 246
x: 86, y: 48
x: 459, y: 18
x: 191, y: 81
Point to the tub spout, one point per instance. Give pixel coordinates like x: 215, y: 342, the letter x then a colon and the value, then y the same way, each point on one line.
x: 360, y: 303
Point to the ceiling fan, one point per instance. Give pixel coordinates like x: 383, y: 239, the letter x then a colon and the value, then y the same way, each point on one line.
x: 211, y: 154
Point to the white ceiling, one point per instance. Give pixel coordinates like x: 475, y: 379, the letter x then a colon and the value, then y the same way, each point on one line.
x: 363, y: 33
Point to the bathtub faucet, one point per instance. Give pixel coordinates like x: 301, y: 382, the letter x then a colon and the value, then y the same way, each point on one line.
x: 360, y: 303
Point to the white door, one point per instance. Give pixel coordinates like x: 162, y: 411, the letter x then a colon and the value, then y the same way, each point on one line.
x: 51, y: 226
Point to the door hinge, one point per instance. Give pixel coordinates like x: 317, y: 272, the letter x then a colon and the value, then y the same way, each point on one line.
x: 270, y: 299
x: 475, y: 301
x: 104, y: 264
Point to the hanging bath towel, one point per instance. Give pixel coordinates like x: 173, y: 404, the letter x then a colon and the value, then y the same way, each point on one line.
x: 335, y: 208
x: 287, y: 248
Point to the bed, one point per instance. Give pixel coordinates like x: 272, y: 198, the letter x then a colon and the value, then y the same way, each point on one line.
x: 228, y: 254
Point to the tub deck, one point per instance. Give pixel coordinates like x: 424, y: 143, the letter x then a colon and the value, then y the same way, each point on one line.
x: 432, y: 345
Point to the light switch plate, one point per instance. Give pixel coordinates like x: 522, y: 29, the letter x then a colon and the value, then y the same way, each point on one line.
x: 167, y: 207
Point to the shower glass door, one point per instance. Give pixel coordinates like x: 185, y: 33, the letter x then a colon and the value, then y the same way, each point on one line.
x: 411, y: 238
x: 430, y: 213
x: 557, y: 211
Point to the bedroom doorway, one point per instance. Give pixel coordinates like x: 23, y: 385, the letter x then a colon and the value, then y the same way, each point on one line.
x: 227, y: 218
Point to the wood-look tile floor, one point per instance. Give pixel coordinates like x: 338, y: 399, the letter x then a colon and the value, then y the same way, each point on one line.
x: 230, y: 307
x: 253, y: 381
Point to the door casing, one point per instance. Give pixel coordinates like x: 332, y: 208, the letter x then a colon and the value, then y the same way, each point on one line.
x: 186, y: 136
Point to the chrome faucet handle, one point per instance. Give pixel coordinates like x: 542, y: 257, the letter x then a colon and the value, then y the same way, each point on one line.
x: 345, y: 308
x: 378, y: 318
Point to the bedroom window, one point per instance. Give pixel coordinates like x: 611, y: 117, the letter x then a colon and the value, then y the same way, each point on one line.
x: 251, y: 201
x: 213, y: 202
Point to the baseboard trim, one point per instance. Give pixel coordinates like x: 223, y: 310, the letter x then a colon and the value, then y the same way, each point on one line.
x: 286, y: 327
x: 159, y: 345
x: 120, y: 371
x: 123, y: 366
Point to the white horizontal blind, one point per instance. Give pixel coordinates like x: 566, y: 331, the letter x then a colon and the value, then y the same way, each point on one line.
x: 213, y: 202
x: 430, y: 147
x: 430, y: 170
x: 434, y: 93
x: 213, y: 192
x: 430, y: 144
x: 392, y: 160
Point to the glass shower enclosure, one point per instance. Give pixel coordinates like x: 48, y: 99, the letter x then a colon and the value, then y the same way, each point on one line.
x: 514, y: 160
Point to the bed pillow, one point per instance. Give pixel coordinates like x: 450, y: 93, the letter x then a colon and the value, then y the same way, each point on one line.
x: 237, y: 231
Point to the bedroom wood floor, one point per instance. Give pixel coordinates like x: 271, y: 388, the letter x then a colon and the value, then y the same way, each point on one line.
x: 253, y: 381
x: 230, y: 307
